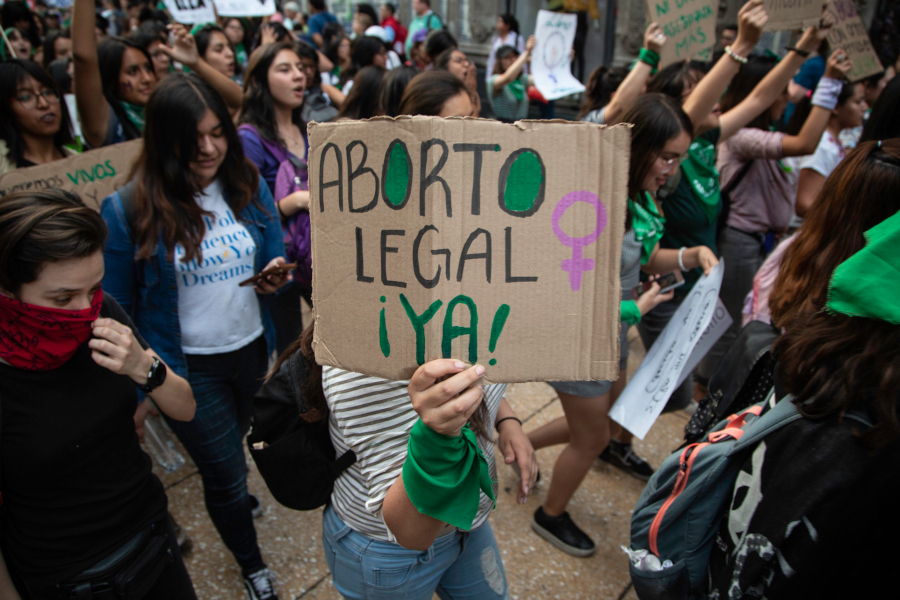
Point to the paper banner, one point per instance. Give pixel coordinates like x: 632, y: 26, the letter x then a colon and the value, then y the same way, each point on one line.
x: 245, y: 8
x: 189, y: 12
x: 550, y: 64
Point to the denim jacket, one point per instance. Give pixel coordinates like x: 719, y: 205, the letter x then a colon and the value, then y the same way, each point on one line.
x: 147, y: 289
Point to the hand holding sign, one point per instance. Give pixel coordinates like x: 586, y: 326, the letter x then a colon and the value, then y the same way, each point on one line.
x: 654, y: 38
x: 838, y: 65
x: 444, y: 394
x: 552, y: 44
x: 752, y: 18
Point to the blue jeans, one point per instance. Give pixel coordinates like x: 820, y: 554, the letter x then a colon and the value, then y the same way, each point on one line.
x: 458, y: 565
x: 224, y: 386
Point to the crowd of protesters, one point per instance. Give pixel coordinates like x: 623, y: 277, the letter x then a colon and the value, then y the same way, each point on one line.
x: 778, y: 165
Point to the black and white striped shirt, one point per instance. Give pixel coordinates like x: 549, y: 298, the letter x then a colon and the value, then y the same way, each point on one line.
x: 373, y: 417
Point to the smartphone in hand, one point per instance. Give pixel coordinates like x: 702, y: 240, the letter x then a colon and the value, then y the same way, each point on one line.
x: 276, y: 270
x: 667, y: 282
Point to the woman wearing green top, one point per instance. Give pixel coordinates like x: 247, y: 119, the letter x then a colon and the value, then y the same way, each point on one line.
x: 508, y: 84
x: 660, y: 136
x: 240, y: 39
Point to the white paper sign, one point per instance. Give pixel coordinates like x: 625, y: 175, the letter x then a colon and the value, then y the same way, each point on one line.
x: 191, y: 11
x: 645, y: 396
x: 720, y: 323
x: 73, y: 114
x: 245, y: 8
x: 550, y: 63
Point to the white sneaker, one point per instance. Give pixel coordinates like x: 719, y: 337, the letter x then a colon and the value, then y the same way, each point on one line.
x: 260, y: 585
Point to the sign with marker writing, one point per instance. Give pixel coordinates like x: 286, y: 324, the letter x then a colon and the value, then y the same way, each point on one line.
x: 470, y: 239
x: 245, y: 8
x: 689, y: 25
x: 92, y: 175
x: 849, y: 33
x: 550, y: 64
x: 191, y: 11
x: 792, y: 14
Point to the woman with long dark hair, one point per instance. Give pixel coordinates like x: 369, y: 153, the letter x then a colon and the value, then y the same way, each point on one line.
x: 827, y: 482
x: 366, y: 51
x: 506, y: 33
x: 215, y: 48
x: 56, y: 45
x: 78, y: 492
x: 240, y: 38
x: 362, y: 100
x: 508, y: 82
x: 37, y: 129
x: 393, y: 87
x: 194, y: 222
x: 661, y: 134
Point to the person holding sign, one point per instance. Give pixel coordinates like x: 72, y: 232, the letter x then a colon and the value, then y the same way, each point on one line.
x: 77, y: 488
x: 661, y: 135
x: 507, y: 85
x: 38, y: 127
x: 194, y: 222
x: 414, y: 506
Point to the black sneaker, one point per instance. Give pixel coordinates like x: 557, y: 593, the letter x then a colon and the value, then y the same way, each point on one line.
x: 622, y: 456
x: 261, y: 585
x: 256, y: 508
x: 563, y: 533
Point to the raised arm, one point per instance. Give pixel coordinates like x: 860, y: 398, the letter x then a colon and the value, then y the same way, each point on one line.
x: 93, y: 109
x: 185, y: 52
x: 807, y: 140
x: 751, y: 20
x: 774, y: 84
x: 515, y: 69
x: 633, y: 84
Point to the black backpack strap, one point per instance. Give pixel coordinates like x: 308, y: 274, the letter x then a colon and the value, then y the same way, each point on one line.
x: 342, y: 463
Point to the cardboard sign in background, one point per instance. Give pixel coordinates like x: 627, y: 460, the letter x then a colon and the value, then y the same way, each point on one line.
x: 503, y: 248
x: 689, y: 25
x: 792, y: 14
x: 92, y: 175
x: 849, y: 33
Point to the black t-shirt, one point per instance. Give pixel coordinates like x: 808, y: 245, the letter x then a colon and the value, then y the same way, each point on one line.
x: 813, y: 516
x: 76, y: 484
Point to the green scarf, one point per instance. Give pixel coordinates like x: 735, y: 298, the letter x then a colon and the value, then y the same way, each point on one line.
x: 240, y: 53
x: 518, y: 89
x: 699, y: 166
x: 649, y: 226
x: 444, y: 476
x: 868, y: 283
x: 135, y: 114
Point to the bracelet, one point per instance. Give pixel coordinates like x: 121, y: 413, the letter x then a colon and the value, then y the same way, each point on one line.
x: 680, y: 259
x: 803, y: 53
x: 649, y: 57
x: 497, y: 424
x: 741, y: 59
x: 827, y: 93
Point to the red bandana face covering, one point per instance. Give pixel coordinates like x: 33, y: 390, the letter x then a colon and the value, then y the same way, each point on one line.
x: 38, y: 338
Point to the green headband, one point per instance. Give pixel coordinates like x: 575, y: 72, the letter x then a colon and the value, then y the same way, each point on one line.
x: 868, y: 283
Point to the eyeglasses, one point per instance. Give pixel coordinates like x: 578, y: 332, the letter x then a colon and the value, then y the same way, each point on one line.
x: 670, y: 162
x: 29, y: 100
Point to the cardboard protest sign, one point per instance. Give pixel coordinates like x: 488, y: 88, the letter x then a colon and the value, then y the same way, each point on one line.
x: 849, y: 33
x: 689, y: 25
x: 550, y: 64
x: 245, y: 8
x: 792, y: 14
x: 191, y: 11
x: 92, y: 175
x: 661, y: 371
x: 471, y: 239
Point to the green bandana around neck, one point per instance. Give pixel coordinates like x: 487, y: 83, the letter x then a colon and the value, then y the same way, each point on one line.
x: 444, y: 476
x: 240, y: 53
x: 868, y: 283
x: 517, y: 89
x: 649, y: 226
x: 699, y: 166
x: 135, y: 114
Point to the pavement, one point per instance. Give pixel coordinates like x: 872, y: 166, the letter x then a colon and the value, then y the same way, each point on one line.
x: 291, y: 540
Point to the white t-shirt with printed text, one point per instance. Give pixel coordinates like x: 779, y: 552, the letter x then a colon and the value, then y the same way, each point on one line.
x: 217, y: 315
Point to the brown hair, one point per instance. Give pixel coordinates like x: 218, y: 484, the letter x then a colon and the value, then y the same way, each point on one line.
x: 38, y: 227
x: 862, y: 191
x: 835, y: 363
x: 164, y: 186
x: 428, y: 91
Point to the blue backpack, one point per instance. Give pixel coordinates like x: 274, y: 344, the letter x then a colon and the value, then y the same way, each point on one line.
x: 677, y: 517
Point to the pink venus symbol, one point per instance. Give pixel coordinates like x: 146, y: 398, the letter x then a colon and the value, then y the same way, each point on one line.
x: 577, y: 265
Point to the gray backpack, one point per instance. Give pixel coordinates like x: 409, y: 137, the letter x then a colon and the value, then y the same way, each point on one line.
x: 678, y: 514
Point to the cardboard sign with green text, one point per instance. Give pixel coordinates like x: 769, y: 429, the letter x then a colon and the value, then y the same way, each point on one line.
x: 689, y: 25
x: 469, y: 239
x: 849, y: 33
x: 92, y: 175
x: 792, y: 14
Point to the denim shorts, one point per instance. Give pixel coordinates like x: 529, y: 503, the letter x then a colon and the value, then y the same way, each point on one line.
x: 459, y: 565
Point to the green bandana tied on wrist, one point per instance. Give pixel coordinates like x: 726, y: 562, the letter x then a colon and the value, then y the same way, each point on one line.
x: 517, y: 88
x: 629, y: 313
x: 699, y: 166
x: 853, y: 286
x: 649, y: 226
x: 135, y: 114
x: 444, y: 476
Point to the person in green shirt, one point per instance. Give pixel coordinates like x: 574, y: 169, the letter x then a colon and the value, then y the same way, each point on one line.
x: 425, y: 19
x: 508, y: 84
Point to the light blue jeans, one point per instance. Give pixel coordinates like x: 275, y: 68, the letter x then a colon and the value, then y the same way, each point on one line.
x: 457, y: 566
